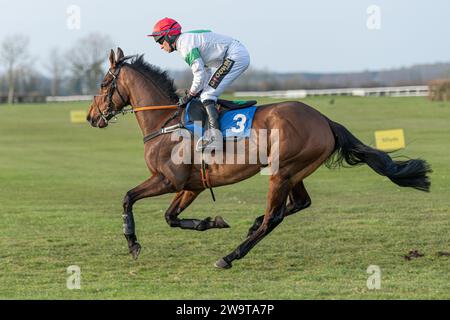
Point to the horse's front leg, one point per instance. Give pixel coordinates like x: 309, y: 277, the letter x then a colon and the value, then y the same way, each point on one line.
x: 155, y: 186
x: 182, y: 200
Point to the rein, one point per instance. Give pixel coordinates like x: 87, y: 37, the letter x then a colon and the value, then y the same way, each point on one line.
x: 163, y: 129
x: 173, y: 106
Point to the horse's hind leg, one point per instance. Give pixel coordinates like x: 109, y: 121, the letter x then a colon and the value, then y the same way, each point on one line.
x: 298, y: 200
x: 182, y: 200
x: 276, y: 209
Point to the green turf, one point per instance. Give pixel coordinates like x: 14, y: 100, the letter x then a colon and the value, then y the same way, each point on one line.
x: 61, y: 187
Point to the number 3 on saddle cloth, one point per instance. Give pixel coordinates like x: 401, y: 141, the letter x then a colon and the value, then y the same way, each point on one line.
x: 235, y: 118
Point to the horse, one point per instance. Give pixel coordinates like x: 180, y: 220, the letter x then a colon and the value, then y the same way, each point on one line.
x: 306, y: 140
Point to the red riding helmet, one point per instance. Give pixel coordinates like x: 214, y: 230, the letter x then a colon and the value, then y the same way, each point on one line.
x: 166, y: 28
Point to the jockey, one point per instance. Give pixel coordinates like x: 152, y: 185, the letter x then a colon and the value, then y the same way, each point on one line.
x: 215, y: 60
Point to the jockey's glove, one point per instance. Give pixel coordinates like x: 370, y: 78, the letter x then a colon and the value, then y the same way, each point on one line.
x: 185, y: 100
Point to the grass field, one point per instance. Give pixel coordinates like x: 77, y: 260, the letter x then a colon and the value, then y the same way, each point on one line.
x: 61, y: 187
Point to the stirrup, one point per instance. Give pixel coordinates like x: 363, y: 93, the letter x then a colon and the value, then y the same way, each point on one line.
x: 208, y: 144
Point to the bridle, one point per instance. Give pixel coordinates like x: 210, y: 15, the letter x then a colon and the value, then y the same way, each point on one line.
x: 110, y: 111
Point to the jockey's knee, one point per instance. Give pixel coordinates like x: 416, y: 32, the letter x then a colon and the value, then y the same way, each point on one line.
x: 205, y: 96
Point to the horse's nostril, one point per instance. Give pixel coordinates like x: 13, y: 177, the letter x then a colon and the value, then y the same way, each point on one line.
x: 90, y: 119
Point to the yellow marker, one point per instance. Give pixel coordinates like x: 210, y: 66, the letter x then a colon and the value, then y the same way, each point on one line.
x: 78, y: 116
x: 388, y: 140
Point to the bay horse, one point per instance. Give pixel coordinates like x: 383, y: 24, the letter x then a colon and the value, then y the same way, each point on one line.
x: 307, y: 139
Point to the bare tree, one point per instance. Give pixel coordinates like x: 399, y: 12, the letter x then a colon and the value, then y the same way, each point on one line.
x: 13, y: 55
x: 88, y: 59
x: 55, y: 67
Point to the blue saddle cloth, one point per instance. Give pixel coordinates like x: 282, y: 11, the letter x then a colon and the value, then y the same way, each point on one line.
x: 235, y: 124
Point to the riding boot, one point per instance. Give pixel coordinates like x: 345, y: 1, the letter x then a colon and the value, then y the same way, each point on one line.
x: 212, y: 138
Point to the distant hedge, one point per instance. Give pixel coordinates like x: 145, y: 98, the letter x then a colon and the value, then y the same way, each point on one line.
x: 439, y: 90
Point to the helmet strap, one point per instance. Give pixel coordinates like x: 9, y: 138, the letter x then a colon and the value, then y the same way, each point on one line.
x: 171, y: 39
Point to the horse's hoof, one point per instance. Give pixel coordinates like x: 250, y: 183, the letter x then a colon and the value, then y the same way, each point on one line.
x: 220, y: 223
x: 135, y: 250
x: 222, y: 264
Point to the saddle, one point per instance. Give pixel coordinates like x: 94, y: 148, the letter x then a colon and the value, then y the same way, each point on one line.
x: 195, y: 113
x: 225, y: 105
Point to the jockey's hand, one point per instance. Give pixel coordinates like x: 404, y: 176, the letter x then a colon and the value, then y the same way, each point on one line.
x: 185, y: 100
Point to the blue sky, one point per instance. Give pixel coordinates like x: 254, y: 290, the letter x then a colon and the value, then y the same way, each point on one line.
x: 294, y: 35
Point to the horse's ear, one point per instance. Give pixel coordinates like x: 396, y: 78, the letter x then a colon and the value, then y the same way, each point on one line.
x: 112, y: 58
x: 120, y: 54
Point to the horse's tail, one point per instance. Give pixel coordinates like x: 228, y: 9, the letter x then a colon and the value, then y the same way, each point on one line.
x: 409, y: 173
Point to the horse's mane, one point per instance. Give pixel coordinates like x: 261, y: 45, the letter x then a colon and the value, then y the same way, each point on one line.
x: 155, y: 74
